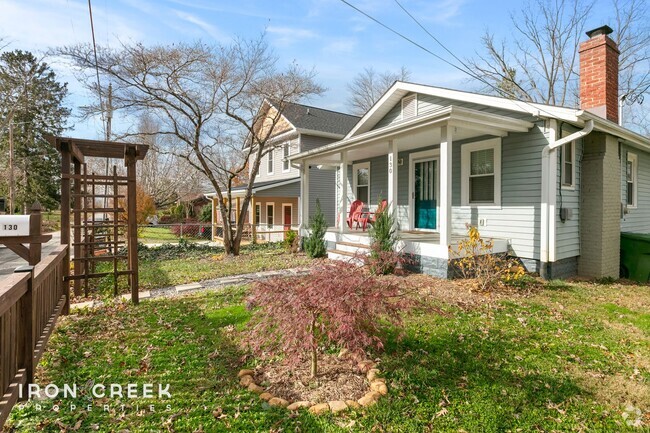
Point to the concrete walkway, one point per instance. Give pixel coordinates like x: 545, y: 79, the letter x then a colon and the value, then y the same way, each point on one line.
x: 215, y: 284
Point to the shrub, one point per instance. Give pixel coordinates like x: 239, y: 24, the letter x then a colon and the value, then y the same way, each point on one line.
x: 383, y: 258
x: 290, y: 241
x: 475, y: 259
x: 186, y: 231
x: 315, y: 243
x: 337, y: 303
x: 205, y: 215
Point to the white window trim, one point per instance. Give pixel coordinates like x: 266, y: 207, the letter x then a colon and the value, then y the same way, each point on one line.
x: 572, y: 186
x: 272, y: 206
x: 355, y: 167
x: 285, y: 158
x: 290, y: 206
x: 270, y: 161
x: 633, y: 158
x: 415, y: 98
x: 466, y: 150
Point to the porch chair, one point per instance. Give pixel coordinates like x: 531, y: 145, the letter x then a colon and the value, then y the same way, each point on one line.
x: 371, y: 217
x: 354, y: 215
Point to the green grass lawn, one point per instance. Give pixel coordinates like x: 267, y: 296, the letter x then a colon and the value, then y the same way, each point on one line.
x: 170, y: 265
x: 153, y: 234
x: 571, y: 357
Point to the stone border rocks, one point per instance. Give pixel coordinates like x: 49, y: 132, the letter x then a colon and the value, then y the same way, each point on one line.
x: 377, y: 389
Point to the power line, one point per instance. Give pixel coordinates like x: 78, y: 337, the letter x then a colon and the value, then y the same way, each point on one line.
x: 99, y: 87
x: 465, y: 71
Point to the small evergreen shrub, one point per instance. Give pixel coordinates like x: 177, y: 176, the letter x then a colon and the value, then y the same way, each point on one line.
x: 383, y: 258
x: 315, y: 242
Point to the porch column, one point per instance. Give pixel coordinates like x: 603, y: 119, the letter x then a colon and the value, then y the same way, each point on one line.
x: 445, y: 185
x: 343, y: 210
x: 213, y: 204
x: 252, y: 214
x: 392, y: 178
x: 237, y: 207
x: 304, y: 195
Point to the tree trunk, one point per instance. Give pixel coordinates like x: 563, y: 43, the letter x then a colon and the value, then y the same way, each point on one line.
x: 314, y: 350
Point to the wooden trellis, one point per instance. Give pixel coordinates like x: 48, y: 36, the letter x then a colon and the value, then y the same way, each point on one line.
x: 98, y: 232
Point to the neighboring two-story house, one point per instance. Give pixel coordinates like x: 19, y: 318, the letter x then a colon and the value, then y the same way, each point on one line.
x: 275, y: 202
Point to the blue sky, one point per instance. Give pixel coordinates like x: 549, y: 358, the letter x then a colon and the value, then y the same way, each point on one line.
x: 327, y: 35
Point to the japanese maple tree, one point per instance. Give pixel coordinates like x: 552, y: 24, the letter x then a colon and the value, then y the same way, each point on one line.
x: 337, y: 303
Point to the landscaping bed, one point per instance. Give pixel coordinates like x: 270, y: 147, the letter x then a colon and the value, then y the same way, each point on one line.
x: 563, y: 357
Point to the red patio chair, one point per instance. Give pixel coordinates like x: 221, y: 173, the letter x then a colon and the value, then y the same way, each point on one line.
x: 355, y: 212
x: 372, y: 216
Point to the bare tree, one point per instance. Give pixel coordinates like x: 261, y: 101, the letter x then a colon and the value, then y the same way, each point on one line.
x: 368, y: 86
x: 208, y: 99
x: 541, y: 65
x: 162, y: 175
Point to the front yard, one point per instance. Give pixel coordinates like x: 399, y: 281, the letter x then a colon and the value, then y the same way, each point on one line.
x: 569, y: 357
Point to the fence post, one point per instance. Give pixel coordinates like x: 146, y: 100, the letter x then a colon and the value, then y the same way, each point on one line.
x: 27, y: 330
x: 35, y: 229
x: 181, y: 230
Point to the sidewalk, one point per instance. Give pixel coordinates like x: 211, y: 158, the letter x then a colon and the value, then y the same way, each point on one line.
x: 214, y: 284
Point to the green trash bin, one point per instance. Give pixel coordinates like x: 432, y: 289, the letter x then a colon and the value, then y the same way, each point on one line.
x: 635, y: 256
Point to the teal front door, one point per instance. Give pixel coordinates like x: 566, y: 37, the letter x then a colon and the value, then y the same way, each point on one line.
x: 424, y: 194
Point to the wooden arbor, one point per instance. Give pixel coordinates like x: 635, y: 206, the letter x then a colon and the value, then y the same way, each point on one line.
x: 94, y: 202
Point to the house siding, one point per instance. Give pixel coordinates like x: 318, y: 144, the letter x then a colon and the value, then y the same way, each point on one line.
x: 321, y: 183
x: 309, y: 142
x: 567, y: 233
x: 637, y: 220
x: 290, y: 190
x: 278, y: 174
x: 428, y: 104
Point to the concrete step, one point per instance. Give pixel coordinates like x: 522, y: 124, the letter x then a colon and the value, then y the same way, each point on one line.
x: 353, y: 247
x: 345, y: 256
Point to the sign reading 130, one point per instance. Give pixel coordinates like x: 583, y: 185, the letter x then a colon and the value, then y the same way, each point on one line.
x: 14, y: 225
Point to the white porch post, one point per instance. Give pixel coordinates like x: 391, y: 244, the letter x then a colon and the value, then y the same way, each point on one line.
x: 343, y: 210
x: 445, y: 185
x: 304, y: 195
x: 392, y: 178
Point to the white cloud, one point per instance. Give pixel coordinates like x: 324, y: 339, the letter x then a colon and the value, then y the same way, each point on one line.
x: 212, y: 30
x: 441, y: 11
x: 341, y: 45
x: 285, y: 36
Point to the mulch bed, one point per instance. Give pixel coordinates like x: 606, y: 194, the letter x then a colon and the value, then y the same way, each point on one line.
x: 337, y: 380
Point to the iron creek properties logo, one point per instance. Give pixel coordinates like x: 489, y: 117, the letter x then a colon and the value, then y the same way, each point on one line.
x: 97, y: 396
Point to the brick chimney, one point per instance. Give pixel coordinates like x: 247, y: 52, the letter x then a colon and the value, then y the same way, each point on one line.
x: 599, y: 74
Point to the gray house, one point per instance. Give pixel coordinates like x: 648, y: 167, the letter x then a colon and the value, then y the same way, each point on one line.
x: 553, y: 186
x: 276, y: 190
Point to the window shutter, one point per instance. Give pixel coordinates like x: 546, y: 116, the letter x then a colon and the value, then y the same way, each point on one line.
x: 409, y: 106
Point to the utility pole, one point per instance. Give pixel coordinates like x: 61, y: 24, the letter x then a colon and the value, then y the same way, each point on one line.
x: 11, y: 167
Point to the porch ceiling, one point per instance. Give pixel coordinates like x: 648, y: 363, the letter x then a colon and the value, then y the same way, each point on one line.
x: 417, y: 133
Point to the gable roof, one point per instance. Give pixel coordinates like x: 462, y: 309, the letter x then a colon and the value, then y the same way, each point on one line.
x: 318, y: 121
x: 543, y: 111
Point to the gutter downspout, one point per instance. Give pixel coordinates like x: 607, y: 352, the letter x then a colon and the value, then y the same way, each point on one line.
x: 549, y: 183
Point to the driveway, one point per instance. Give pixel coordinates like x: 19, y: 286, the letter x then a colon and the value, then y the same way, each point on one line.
x: 10, y: 260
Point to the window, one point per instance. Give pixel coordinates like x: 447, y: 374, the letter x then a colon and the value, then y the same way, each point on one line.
x: 630, y: 179
x: 285, y: 155
x: 361, y: 181
x: 409, y: 106
x: 258, y: 214
x: 269, y: 162
x: 269, y: 215
x: 568, y: 165
x: 481, y: 173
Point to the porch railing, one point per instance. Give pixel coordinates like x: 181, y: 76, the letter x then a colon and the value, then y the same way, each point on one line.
x: 31, y: 300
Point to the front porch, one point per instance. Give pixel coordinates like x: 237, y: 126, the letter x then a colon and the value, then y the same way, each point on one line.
x: 437, y: 172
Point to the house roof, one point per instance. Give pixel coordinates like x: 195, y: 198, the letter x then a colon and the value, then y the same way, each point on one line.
x: 259, y: 186
x: 314, y: 120
x: 541, y: 111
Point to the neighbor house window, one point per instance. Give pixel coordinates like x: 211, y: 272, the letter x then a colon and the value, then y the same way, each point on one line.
x: 285, y: 155
x: 630, y: 179
x: 258, y: 213
x: 361, y: 181
x: 269, y: 162
x: 481, y: 173
x: 269, y: 215
x: 568, y: 165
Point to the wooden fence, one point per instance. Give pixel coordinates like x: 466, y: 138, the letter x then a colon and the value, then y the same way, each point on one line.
x: 30, y: 303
